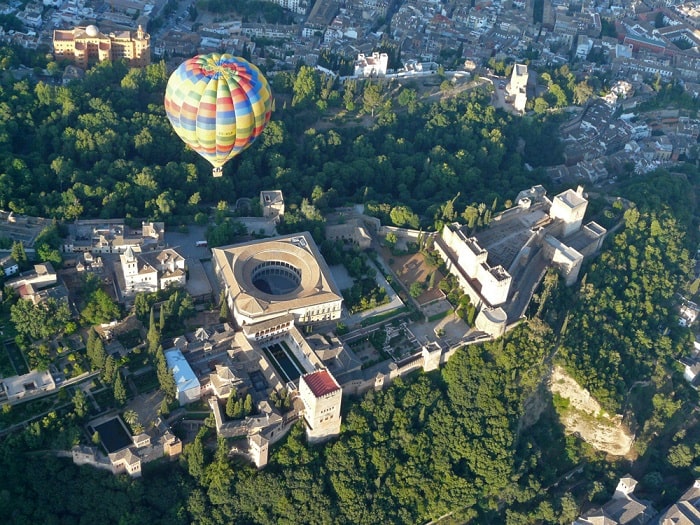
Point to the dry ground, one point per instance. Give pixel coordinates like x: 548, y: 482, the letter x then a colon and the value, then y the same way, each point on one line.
x: 585, y: 417
x: 412, y: 268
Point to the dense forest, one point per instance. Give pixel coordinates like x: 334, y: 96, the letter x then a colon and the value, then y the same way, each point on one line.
x: 439, y: 443
x: 452, y: 443
x: 102, y: 147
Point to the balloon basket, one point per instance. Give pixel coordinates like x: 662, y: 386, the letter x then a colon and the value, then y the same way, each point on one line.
x: 217, y: 172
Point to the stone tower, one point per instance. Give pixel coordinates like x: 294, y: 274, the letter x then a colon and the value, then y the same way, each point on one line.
x: 321, y: 395
x: 569, y: 207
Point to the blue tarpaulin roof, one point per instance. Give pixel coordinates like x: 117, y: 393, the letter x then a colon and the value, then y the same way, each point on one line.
x: 184, y: 376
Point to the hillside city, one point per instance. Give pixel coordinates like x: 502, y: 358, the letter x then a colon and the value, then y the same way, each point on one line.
x: 618, y: 44
x: 168, y: 344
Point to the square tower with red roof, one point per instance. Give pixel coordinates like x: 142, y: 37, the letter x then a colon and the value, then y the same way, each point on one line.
x: 322, y: 396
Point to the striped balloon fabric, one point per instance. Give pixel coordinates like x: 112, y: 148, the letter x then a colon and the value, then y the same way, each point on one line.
x: 218, y: 105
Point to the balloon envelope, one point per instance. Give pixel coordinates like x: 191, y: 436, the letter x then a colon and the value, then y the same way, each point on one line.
x: 218, y: 105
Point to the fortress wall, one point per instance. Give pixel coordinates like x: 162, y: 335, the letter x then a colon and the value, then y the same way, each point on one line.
x: 404, y: 233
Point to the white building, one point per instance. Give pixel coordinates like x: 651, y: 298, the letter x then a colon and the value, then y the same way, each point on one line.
x: 371, y: 66
x: 18, y: 387
x: 686, y: 510
x: 583, y: 46
x: 569, y: 207
x: 41, y: 277
x: 112, y: 236
x: 517, y: 87
x: 471, y: 260
x: 152, y: 271
x: 138, y: 276
x: 9, y: 265
x: 272, y: 204
x: 624, y: 507
x: 293, y: 5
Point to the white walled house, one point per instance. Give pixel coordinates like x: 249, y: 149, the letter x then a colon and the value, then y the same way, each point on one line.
x: 151, y: 271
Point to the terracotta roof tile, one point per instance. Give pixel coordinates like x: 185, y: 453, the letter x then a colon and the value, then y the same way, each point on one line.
x: 321, y: 383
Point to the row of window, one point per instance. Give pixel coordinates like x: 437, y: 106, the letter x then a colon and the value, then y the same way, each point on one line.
x: 278, y: 264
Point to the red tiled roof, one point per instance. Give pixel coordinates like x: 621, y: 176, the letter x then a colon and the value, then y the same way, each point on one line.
x: 321, y: 383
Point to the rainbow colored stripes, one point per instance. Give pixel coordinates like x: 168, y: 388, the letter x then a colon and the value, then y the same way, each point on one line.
x: 218, y: 105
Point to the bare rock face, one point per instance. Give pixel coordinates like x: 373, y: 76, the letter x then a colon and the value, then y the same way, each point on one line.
x: 584, y: 417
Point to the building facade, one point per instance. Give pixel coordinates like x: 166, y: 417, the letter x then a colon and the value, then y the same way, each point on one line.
x: 86, y: 46
x: 374, y: 65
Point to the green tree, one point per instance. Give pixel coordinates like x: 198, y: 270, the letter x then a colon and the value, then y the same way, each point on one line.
x: 164, y: 407
x: 541, y: 105
x: 153, y: 335
x: 119, y: 389
x: 582, y: 92
x: 165, y: 376
x: 163, y: 316
x: 409, y: 99
x: 223, y: 310
x: 404, y: 216
x: 95, y: 350
x: 227, y: 231
x: 349, y: 95
x: 680, y: 456
x: 219, y: 475
x: 109, y: 370
x: 80, y: 406
x: 194, y: 457
x: 371, y: 97
x: 41, y: 320
x: 130, y: 417
x: 19, y: 255
x: 142, y: 306
x: 100, y: 308
x: 416, y: 289
x: 559, y: 95
x: 306, y: 87
x: 231, y: 406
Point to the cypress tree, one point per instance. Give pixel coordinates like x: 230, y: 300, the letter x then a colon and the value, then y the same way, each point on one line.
x: 153, y: 335
x: 231, y: 405
x: 119, y: 390
x: 223, y: 312
x: 248, y: 405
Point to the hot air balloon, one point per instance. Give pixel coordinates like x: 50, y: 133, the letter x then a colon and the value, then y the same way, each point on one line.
x: 218, y: 105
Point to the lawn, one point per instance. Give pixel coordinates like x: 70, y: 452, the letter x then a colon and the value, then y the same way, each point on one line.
x: 384, y: 316
x: 15, y: 354
x: 130, y: 339
x: 146, y: 382
x: 6, y: 368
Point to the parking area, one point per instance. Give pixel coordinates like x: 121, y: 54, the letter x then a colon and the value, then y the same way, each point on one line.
x: 186, y: 242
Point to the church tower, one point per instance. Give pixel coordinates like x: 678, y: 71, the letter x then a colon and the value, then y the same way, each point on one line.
x: 129, y: 263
